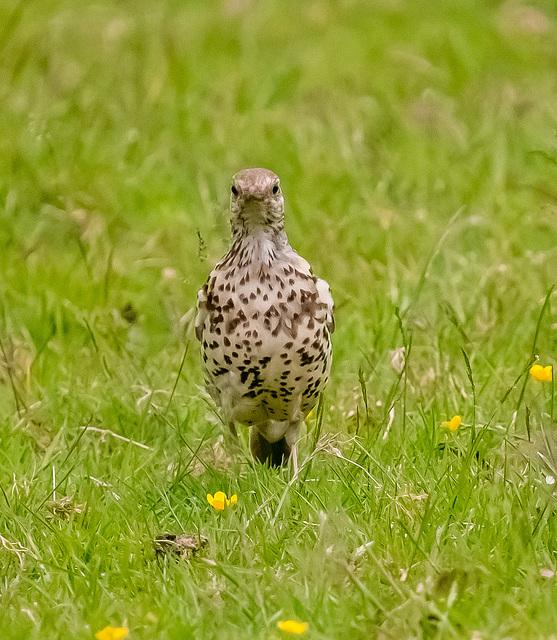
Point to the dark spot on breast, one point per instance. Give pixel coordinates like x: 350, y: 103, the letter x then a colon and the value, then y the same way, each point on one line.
x: 232, y: 324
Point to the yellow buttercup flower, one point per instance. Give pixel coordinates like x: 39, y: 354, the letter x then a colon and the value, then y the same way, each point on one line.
x: 112, y: 633
x: 219, y: 500
x: 541, y: 373
x: 454, y: 423
x: 291, y: 626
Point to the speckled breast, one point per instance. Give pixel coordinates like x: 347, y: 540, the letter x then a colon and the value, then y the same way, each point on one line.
x: 266, y: 344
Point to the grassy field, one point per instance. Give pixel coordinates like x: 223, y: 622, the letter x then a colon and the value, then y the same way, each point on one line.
x: 417, y: 147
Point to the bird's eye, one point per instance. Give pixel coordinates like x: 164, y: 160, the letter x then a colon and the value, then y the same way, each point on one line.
x: 234, y: 190
x: 275, y: 189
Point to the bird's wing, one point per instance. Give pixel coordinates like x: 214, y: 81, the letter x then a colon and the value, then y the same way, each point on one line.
x: 323, y: 290
x: 201, y: 314
x: 324, y: 294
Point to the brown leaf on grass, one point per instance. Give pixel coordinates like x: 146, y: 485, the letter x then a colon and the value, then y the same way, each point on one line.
x: 182, y: 546
x: 64, y: 508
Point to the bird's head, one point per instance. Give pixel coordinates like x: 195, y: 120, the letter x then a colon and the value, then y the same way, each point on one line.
x: 256, y: 202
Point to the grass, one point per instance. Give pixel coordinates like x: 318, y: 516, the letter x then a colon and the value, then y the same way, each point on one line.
x: 417, y: 148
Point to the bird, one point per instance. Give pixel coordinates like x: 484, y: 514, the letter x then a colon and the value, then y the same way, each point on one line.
x: 264, y: 321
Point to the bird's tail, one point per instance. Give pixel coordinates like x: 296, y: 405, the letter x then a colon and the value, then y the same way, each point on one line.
x: 274, y: 454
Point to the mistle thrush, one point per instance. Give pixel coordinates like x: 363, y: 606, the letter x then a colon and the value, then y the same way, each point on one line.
x: 265, y: 323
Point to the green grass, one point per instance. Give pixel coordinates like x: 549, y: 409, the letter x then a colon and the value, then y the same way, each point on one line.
x: 416, y: 143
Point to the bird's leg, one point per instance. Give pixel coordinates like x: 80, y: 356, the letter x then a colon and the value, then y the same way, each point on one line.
x: 232, y: 428
x: 295, y: 458
x: 292, y: 440
x: 231, y: 438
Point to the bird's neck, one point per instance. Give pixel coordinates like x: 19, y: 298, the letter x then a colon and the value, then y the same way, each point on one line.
x: 260, y: 247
